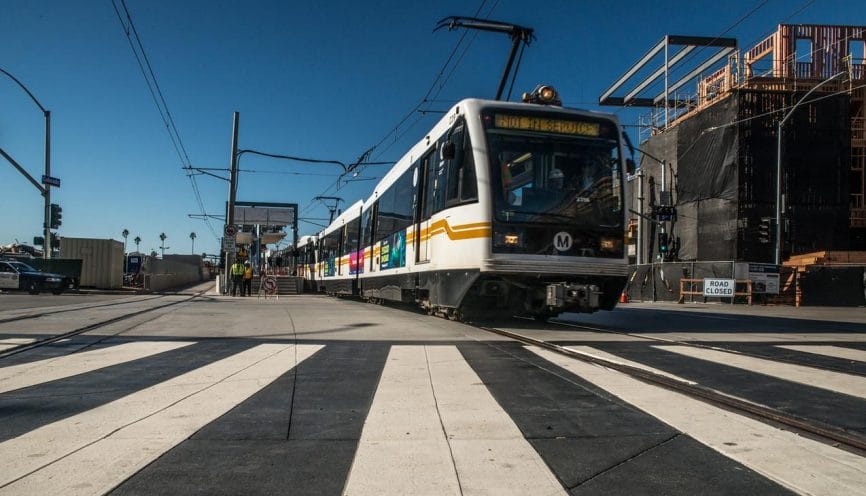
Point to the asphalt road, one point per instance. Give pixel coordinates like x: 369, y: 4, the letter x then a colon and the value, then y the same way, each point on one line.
x: 315, y: 395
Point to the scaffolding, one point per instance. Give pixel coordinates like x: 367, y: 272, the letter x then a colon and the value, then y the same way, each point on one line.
x: 793, y: 59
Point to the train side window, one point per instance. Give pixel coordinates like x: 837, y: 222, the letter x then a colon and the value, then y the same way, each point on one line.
x: 404, y: 191
x: 386, y: 218
x: 460, y: 169
x: 370, y: 230
x: 434, y: 184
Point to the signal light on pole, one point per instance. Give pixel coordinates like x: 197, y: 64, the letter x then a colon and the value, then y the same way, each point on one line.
x: 56, y: 216
x: 765, y: 230
x: 663, y: 243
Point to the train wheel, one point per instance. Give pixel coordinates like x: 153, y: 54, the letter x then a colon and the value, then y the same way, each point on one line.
x: 455, y: 314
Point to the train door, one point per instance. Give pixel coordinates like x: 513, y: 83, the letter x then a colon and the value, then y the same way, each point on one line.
x: 427, y: 193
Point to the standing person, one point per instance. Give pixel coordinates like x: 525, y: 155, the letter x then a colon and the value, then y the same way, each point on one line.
x: 237, y: 276
x: 248, y: 280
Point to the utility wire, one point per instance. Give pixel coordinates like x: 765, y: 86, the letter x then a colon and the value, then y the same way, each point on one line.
x: 160, y: 102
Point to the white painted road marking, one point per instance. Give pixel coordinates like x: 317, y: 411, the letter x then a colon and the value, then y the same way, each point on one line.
x: 831, y: 351
x: 52, y: 369
x: 803, y: 465
x: 810, y: 376
x: 92, y: 452
x: 406, y: 448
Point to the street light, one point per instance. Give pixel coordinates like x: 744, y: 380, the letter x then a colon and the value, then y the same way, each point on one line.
x: 45, y: 188
x: 779, y: 220
x: 125, y: 234
x: 162, y: 237
x: 192, y: 237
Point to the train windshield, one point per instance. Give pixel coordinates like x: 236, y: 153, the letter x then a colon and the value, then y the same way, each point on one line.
x: 552, y: 178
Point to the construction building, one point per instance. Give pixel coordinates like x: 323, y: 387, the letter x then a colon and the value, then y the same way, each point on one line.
x: 710, y: 187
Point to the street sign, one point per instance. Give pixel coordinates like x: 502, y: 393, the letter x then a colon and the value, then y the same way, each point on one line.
x: 51, y: 181
x: 765, y: 278
x: 719, y: 287
x: 229, y: 245
x: 230, y: 230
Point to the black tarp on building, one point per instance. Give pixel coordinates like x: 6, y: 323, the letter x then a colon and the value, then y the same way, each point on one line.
x: 723, y: 161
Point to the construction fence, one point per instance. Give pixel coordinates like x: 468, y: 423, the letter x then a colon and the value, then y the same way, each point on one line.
x: 815, y: 285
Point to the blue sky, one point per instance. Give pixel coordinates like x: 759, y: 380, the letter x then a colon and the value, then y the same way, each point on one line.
x: 324, y: 80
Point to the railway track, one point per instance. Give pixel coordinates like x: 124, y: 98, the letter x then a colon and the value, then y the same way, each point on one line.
x: 826, y: 433
x: 693, y: 344
x: 89, y: 327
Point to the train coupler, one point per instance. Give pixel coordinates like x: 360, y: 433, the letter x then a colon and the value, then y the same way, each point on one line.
x: 565, y: 295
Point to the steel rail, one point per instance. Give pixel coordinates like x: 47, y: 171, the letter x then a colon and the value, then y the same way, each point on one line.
x: 96, y: 325
x: 65, y: 310
x: 835, y: 435
x: 691, y: 344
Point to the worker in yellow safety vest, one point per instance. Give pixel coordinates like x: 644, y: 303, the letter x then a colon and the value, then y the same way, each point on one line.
x: 248, y: 280
x: 237, y: 276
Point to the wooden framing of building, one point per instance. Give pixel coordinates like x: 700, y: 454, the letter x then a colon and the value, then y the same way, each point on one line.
x: 776, y: 65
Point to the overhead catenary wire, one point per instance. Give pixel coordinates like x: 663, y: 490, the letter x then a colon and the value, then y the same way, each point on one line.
x: 429, y: 97
x: 160, y: 102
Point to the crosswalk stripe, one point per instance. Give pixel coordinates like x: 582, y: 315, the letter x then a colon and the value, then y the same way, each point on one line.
x: 92, y: 452
x: 402, y: 448
x: 17, y: 341
x: 594, y: 352
x: 810, y: 376
x: 489, y: 453
x: 831, y: 351
x: 52, y: 369
x: 796, y: 462
x: 9, y: 343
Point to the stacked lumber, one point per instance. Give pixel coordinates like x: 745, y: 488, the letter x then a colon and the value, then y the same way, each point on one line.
x: 827, y: 258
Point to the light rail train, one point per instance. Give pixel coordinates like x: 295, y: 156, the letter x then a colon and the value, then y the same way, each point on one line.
x: 502, y: 208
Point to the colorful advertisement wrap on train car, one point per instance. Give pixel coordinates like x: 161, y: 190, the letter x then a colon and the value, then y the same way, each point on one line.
x: 330, y: 267
x: 356, y: 262
x: 393, y: 251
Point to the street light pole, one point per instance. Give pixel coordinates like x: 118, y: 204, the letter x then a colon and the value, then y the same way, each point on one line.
x: 162, y: 237
x: 45, y: 189
x: 778, y: 251
x: 125, y: 235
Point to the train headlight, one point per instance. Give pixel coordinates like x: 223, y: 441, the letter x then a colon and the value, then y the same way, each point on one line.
x: 611, y: 244
x: 543, y: 94
x: 509, y: 239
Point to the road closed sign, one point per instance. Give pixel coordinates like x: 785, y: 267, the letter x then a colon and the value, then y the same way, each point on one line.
x: 719, y: 287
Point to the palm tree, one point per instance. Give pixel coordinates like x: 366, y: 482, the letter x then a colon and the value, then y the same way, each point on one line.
x: 192, y: 237
x: 162, y: 237
x: 137, y: 241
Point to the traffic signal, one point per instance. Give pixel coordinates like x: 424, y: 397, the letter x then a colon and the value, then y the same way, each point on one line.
x: 663, y: 243
x: 765, y: 230
x: 56, y: 216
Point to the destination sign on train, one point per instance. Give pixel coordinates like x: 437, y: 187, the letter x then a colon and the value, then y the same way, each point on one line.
x: 547, y: 125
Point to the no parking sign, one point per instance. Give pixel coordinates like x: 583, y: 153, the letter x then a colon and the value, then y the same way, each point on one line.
x: 269, y: 285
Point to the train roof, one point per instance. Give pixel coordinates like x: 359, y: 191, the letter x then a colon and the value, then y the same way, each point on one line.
x: 348, y: 214
x: 470, y: 106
